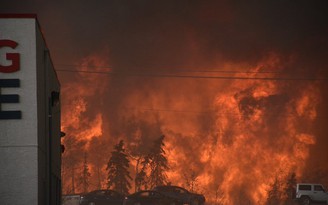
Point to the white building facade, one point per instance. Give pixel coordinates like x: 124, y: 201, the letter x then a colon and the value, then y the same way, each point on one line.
x: 30, y: 151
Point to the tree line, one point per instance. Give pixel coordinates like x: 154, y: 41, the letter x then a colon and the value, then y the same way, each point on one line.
x: 151, y: 166
x: 282, y: 191
x: 152, y: 173
x: 150, y: 169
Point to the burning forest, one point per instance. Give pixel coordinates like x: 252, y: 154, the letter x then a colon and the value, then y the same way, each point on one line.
x: 228, y: 139
x: 239, y: 90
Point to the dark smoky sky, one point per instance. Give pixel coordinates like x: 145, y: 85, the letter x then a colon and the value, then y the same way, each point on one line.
x: 170, y: 35
x: 149, y: 34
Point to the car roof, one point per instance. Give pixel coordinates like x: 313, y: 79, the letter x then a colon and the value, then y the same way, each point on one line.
x: 142, y: 191
x: 308, y: 184
x: 102, y: 190
x: 169, y: 186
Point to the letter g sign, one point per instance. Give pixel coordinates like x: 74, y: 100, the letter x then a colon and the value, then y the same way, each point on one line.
x: 14, y: 57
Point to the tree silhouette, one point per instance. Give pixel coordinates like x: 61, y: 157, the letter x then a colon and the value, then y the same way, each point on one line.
x: 158, y: 163
x: 141, y: 180
x: 117, y: 167
x: 139, y: 152
x: 290, y: 189
x: 274, y: 194
x: 85, y: 176
x: 98, y: 148
x: 191, y: 179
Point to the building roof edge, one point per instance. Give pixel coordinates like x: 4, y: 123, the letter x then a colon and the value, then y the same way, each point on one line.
x: 10, y: 15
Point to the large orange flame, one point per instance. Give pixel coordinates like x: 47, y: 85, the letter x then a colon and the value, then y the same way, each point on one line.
x: 250, y: 133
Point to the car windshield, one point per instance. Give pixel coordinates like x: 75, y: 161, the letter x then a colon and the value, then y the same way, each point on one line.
x: 319, y: 188
x: 180, y: 190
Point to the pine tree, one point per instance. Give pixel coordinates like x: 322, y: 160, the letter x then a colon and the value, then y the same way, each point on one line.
x: 141, y: 179
x: 191, y: 179
x: 290, y: 189
x: 118, y: 173
x: 85, y: 178
x: 140, y: 153
x: 158, y: 163
x: 274, y: 194
x: 98, y: 148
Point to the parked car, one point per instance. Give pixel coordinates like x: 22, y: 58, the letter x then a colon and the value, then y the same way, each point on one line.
x: 102, y: 197
x: 307, y: 193
x: 148, y: 197
x: 181, y: 195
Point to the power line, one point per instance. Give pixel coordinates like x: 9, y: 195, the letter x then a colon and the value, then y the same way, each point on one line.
x: 191, y: 76
x: 174, y: 71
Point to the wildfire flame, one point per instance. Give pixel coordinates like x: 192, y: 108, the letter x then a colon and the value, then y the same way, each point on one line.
x: 252, y: 131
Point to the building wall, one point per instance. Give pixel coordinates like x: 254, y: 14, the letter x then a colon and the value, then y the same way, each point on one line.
x: 48, y: 125
x: 30, y: 146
